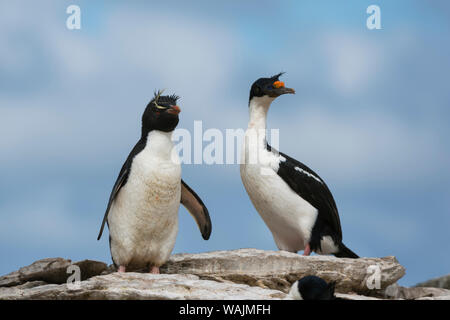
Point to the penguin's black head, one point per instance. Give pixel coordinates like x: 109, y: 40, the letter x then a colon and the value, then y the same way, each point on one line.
x: 313, y: 288
x: 271, y: 87
x: 161, y: 113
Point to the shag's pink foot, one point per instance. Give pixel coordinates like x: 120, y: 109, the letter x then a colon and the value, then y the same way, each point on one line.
x: 122, y: 268
x: 307, y: 250
x: 154, y: 270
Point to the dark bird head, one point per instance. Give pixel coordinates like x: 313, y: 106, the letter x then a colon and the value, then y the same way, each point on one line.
x: 312, y: 288
x: 161, y: 113
x: 270, y: 87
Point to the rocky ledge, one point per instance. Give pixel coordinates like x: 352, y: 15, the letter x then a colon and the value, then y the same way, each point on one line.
x: 237, y: 274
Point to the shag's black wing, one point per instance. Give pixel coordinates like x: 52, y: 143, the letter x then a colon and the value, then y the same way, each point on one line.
x: 121, y: 180
x: 308, y: 185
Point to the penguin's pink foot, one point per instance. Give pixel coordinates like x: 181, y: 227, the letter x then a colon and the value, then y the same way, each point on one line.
x: 122, y: 268
x: 307, y: 250
x: 154, y: 270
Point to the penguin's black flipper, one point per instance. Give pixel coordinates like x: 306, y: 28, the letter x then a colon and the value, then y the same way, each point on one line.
x: 119, y: 183
x: 121, y: 180
x: 192, y: 202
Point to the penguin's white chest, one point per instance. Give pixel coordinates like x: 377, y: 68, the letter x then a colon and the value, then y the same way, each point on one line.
x: 289, y: 217
x: 143, y: 220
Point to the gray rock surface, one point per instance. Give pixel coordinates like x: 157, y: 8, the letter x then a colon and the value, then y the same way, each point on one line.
x: 415, y: 293
x: 435, y: 298
x: 139, y: 286
x: 279, y: 269
x: 51, y: 270
x: 440, y: 282
x: 237, y: 274
x: 354, y: 297
x: 48, y: 270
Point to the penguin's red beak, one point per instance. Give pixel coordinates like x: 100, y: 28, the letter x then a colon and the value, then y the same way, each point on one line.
x: 174, y: 110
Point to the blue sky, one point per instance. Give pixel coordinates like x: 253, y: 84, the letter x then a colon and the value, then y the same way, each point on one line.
x: 370, y: 115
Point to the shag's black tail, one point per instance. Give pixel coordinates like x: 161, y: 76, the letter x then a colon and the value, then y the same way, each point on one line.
x: 345, y: 252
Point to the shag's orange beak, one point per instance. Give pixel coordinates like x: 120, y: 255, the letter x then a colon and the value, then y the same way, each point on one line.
x: 279, y: 89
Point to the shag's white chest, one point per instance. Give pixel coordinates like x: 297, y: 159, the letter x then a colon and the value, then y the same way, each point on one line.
x: 143, y: 220
x: 289, y: 217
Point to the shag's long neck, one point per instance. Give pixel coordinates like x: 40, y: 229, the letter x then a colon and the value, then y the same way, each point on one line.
x: 259, y: 106
x: 256, y: 132
x: 255, y: 137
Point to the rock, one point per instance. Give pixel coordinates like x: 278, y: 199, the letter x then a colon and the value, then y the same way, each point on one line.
x: 11, y: 279
x: 237, y: 274
x: 441, y: 282
x: 343, y: 296
x: 48, y: 270
x: 420, y: 293
x: 90, y: 268
x: 51, y: 270
x: 435, y: 298
x: 143, y: 286
x: 354, y: 297
x: 279, y: 269
x: 111, y: 269
x: 31, y: 284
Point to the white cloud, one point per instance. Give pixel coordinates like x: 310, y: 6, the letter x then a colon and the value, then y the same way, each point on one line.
x: 88, y: 110
x: 364, y: 147
x: 180, y: 52
x: 84, y: 127
x: 42, y: 218
x: 352, y: 60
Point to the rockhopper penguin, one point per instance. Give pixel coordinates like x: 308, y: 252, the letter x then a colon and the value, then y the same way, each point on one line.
x: 142, y: 212
x: 312, y: 288
x: 294, y: 202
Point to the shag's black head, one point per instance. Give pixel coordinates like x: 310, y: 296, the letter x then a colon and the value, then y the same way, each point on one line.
x: 271, y: 87
x: 161, y: 113
x: 315, y: 288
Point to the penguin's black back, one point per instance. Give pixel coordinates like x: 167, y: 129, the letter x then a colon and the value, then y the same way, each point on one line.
x: 122, y: 179
x: 315, y: 288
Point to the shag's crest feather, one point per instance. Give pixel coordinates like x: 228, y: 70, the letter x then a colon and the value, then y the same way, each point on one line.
x: 275, y: 77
